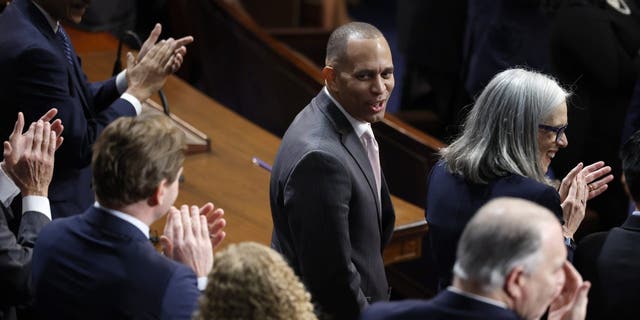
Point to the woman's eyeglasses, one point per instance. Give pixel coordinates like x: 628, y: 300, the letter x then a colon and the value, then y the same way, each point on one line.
x: 557, y: 130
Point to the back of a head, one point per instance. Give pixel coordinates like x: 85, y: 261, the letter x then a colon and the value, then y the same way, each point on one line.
x: 133, y: 155
x: 252, y: 281
x: 630, y: 155
x: 504, y: 233
x: 337, y: 43
x: 500, y: 132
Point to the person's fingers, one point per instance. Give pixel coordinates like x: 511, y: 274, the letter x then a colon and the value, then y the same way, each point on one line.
x: 156, y: 49
x: 593, y: 173
x: 568, y: 179
x: 206, y: 208
x: 165, y: 54
x: 29, y: 136
x: 168, y: 67
x: 204, y: 228
x: 178, y: 228
x: 181, y: 51
x: 57, y: 126
x: 168, y: 224
x: 167, y: 246
x: 52, y: 144
x: 186, y: 221
x: 131, y: 60
x: 213, y: 216
x: 59, y: 142
x: 153, y: 35
x: 18, y: 126
x: 46, y: 138
x: 597, y: 192
x: 150, y: 41
x: 48, y: 116
x: 37, y: 137
x: 182, y: 42
x: 217, y: 238
x: 195, y: 221
x: 7, y: 149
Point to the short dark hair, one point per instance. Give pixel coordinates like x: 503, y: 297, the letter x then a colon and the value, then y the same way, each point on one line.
x: 133, y: 155
x: 630, y: 154
x: 337, y: 44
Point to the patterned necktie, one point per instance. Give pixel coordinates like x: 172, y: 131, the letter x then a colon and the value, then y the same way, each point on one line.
x: 66, y: 44
x: 371, y: 145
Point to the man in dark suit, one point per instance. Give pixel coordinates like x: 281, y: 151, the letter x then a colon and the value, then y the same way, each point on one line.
x: 27, y: 168
x: 611, y: 260
x: 101, y: 264
x: 331, y: 209
x: 40, y: 70
x: 511, y: 264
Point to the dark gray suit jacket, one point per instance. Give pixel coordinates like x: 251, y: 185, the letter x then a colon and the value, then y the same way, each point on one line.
x: 328, y: 221
x: 15, y: 258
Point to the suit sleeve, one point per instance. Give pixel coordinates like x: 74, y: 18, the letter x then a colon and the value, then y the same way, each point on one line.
x: 316, y: 201
x: 15, y: 256
x: 43, y: 84
x: 181, y: 296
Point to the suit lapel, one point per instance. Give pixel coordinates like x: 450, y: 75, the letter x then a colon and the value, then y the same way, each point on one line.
x: 351, y: 142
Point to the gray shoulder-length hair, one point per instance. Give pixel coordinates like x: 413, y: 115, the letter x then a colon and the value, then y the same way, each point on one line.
x: 500, y: 134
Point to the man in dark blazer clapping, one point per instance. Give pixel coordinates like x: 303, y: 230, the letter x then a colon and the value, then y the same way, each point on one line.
x: 510, y: 265
x: 331, y: 209
x: 101, y: 264
x: 40, y: 70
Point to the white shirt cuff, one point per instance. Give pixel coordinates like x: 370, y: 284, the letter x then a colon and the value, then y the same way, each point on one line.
x: 8, y: 189
x: 202, y: 283
x: 134, y: 102
x: 36, y: 203
x: 121, y: 81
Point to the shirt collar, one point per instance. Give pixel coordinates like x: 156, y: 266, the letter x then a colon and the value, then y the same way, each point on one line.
x: 8, y: 189
x: 636, y: 213
x: 52, y: 23
x: 360, y: 127
x: 143, y: 227
x: 477, y: 297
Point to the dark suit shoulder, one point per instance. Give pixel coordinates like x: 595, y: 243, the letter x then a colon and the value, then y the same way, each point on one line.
x: 444, y: 306
x: 405, y: 310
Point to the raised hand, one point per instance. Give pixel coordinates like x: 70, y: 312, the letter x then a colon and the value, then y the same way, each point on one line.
x: 571, y: 303
x: 596, y: 176
x: 186, y: 239
x: 29, y: 157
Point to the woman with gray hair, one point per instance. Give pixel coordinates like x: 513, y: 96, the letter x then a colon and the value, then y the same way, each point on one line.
x: 509, y: 139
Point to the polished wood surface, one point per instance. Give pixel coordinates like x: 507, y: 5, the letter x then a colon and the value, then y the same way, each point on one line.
x: 226, y: 175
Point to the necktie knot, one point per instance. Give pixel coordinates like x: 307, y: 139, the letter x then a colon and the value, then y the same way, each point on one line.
x: 66, y: 44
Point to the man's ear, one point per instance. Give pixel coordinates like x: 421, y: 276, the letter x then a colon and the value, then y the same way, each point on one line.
x: 623, y: 180
x: 514, y: 283
x: 158, y: 194
x: 329, y: 76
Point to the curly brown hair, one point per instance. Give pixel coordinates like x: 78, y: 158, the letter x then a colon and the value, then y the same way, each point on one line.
x: 252, y: 281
